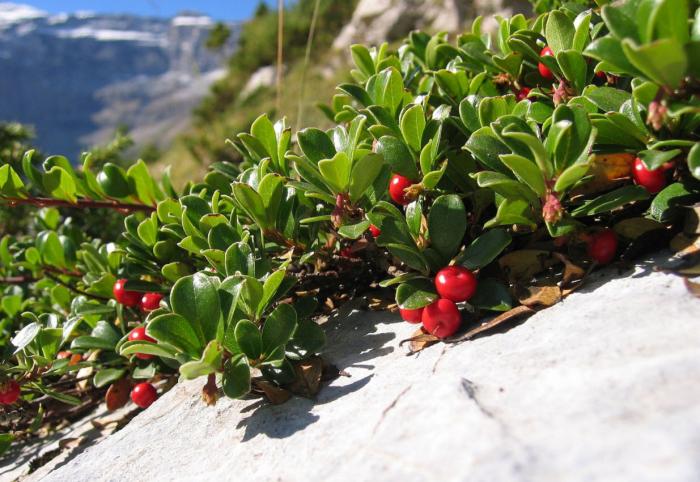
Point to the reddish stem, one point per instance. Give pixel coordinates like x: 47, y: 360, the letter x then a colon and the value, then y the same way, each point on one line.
x: 80, y: 204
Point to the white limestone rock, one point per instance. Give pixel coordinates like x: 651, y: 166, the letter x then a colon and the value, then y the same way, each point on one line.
x: 601, y: 387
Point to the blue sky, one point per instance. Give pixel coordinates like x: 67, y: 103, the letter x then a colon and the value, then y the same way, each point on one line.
x: 219, y: 9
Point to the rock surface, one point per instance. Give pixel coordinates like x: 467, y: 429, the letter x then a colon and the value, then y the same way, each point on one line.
x: 603, y: 386
x: 377, y: 21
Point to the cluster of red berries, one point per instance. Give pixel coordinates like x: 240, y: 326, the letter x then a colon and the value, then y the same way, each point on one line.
x: 441, y: 318
x: 9, y: 392
x: 147, y: 301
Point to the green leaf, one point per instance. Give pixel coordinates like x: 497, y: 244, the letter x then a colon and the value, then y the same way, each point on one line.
x: 147, y: 348
x: 106, y: 376
x: 526, y: 171
x: 608, y: 99
x: 672, y: 196
x: 574, y: 67
x: 308, y: 339
x: 25, y: 336
x: 447, y: 223
x: 389, y: 89
x: 491, y: 295
x: 354, y: 231
x: 263, y: 130
x: 412, y: 123
x: 609, y: 201
x: 11, y: 184
x: 662, y: 61
x: 279, y: 328
x: 175, y: 330
x: 484, y: 249
x: 363, y: 60
x: 239, y: 259
x: 251, y: 295
x: 210, y: 362
x: 248, y: 339
x: 655, y: 159
x: 59, y: 184
x: 315, y: 144
x: 397, y: 155
x: 364, y: 173
x: 6, y: 440
x: 113, y: 181
x: 487, y: 148
x: 270, y: 287
x: 415, y: 293
x: 336, y: 172
x: 271, y: 191
x: 251, y: 202
x: 196, y: 299
x: 694, y: 160
x: 570, y: 176
x: 559, y: 32
x: 236, y: 378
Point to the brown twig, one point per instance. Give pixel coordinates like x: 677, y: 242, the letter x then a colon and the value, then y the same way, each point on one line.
x: 74, y: 289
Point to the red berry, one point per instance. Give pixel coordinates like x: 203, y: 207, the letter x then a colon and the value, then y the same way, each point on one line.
x: 602, y: 246
x: 600, y: 74
x: 544, y: 70
x: 651, y: 180
x: 139, y: 334
x: 412, y: 316
x: 455, y: 283
x: 522, y: 93
x: 397, y: 185
x: 9, y: 392
x: 143, y: 395
x: 151, y: 301
x: 374, y: 230
x: 441, y: 318
x: 346, y: 253
x: 124, y: 296
x: 63, y: 354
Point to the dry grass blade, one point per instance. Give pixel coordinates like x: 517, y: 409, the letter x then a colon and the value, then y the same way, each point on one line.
x: 511, y: 315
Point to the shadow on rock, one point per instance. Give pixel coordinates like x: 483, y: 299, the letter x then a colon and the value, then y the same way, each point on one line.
x: 352, y: 335
x: 281, y: 421
x: 352, y: 340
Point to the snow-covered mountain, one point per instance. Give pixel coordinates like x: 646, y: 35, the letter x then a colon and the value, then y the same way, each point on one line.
x: 77, y: 76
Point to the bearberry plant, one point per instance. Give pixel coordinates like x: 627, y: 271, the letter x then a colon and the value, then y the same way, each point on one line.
x: 478, y: 176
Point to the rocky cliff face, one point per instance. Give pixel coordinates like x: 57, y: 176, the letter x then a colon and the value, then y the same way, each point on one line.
x: 377, y: 21
x: 76, y: 77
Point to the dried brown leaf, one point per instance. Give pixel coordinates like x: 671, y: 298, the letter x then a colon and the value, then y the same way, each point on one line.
x: 308, y: 377
x: 275, y: 394
x: 118, y: 394
x: 692, y: 220
x: 606, y: 171
x: 683, y: 244
x: 541, y: 296
x: 510, y: 315
x: 633, y: 228
x: 572, y: 272
x: 523, y: 264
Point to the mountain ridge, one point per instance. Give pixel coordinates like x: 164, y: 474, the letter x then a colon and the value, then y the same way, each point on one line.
x: 77, y: 77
